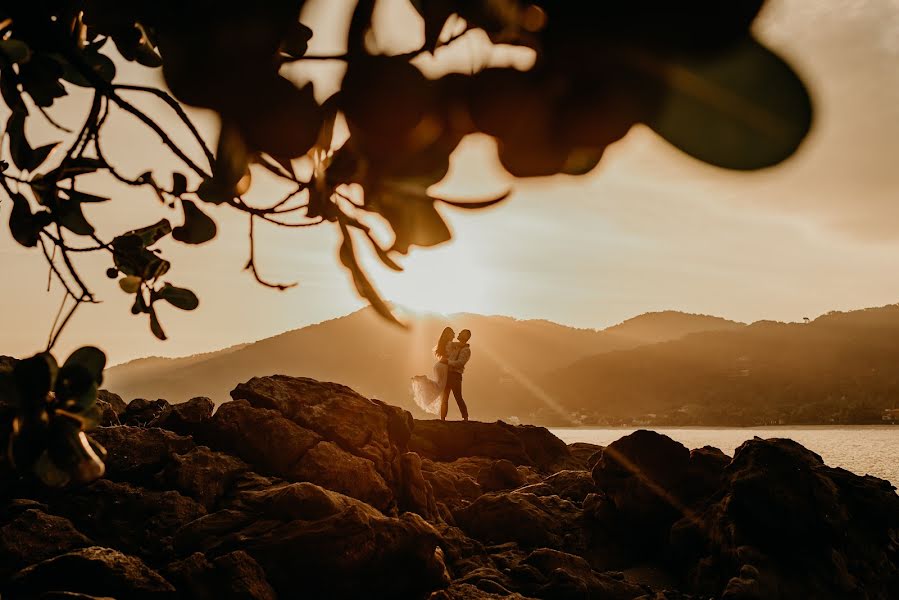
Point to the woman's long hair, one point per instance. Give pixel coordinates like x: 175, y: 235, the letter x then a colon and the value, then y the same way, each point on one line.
x: 445, y: 338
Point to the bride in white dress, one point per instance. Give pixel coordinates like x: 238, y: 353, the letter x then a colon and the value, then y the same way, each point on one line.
x: 426, y: 391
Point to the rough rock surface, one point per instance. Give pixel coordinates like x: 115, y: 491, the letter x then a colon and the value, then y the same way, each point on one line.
x: 95, y: 570
x: 305, y: 489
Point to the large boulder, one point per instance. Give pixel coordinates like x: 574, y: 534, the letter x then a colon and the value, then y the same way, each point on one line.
x: 571, y: 485
x: 265, y: 439
x: 186, y: 417
x: 136, y: 453
x: 32, y: 536
x: 141, y: 412
x: 234, y: 575
x: 136, y: 520
x: 203, y: 474
x: 365, y: 441
x: 94, y: 570
x: 584, y: 454
x: 529, y: 520
x: 333, y: 545
x: 642, y: 475
x: 111, y: 406
x: 276, y: 445
x: 451, y: 487
x: 788, y: 526
x: 364, y: 427
x: 529, y: 445
x: 447, y: 441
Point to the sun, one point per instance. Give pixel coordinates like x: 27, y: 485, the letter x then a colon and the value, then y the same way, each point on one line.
x: 444, y: 280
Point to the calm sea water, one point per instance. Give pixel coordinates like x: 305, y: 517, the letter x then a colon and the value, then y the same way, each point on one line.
x: 863, y: 449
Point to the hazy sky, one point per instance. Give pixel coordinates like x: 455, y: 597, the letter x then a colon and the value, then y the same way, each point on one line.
x: 650, y: 229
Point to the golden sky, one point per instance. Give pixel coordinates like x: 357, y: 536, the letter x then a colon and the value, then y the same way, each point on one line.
x: 650, y: 229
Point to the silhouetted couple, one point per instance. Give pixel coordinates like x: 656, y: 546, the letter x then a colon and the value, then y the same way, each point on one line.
x: 432, y: 395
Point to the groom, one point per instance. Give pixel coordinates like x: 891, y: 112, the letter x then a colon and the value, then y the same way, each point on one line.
x: 456, y: 363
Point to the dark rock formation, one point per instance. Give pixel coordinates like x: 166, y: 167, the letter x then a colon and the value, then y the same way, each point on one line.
x: 111, y: 407
x: 33, y: 536
x: 785, y: 525
x: 141, y: 412
x: 304, y: 489
x: 94, y: 570
x: 185, y: 417
x: 522, y: 445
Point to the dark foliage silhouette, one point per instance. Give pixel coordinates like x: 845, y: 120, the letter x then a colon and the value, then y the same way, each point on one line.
x: 690, y: 70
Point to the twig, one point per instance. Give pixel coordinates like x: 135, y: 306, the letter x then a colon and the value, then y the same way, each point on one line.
x: 251, y: 263
x: 173, y: 104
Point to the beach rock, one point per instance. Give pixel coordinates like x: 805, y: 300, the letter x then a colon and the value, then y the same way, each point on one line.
x: 328, y: 465
x: 571, y: 485
x: 114, y: 401
x: 501, y: 517
x: 136, y: 520
x: 546, y: 452
x: 265, y: 439
x: 186, y: 417
x: 416, y: 493
x: 784, y: 525
x: 203, y: 474
x: 500, y: 475
x: 585, y: 454
x: 447, y: 441
x: 111, y: 406
x: 365, y: 441
x: 369, y: 429
x: 642, y: 476
x: 564, y: 575
x: 136, y: 453
x: 451, y: 487
x: 466, y: 591
x: 705, y: 473
x: 302, y: 533
x: 234, y: 575
x: 32, y: 536
x: 96, y: 571
x: 140, y: 412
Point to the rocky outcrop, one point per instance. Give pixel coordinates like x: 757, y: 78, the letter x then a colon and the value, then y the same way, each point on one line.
x: 520, y: 444
x: 96, y: 571
x: 33, y: 536
x: 298, y: 488
x: 785, y: 525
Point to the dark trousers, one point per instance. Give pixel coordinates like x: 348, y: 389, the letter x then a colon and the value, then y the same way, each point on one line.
x: 454, y: 384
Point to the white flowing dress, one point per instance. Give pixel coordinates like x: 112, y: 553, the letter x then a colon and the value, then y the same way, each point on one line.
x: 427, y: 392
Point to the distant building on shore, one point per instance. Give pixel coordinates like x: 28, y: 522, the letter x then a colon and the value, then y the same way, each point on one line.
x: 890, y: 414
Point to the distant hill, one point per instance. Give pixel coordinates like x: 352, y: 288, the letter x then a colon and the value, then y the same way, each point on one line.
x: 842, y: 367
x: 378, y: 359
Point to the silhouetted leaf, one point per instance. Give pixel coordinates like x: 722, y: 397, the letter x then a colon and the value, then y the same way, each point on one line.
x: 10, y: 91
x: 40, y: 77
x: 23, y: 155
x: 179, y: 297
x: 35, y: 377
x: 179, y: 184
x: 198, y: 226
x: 743, y: 108
x: 475, y: 204
x: 296, y: 39
x: 78, y: 196
x: 412, y: 216
x: 130, y: 284
x: 69, y: 215
x: 22, y: 225
x: 16, y: 51
x: 155, y: 327
x: 76, y: 166
x: 90, y: 358
x: 363, y: 285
